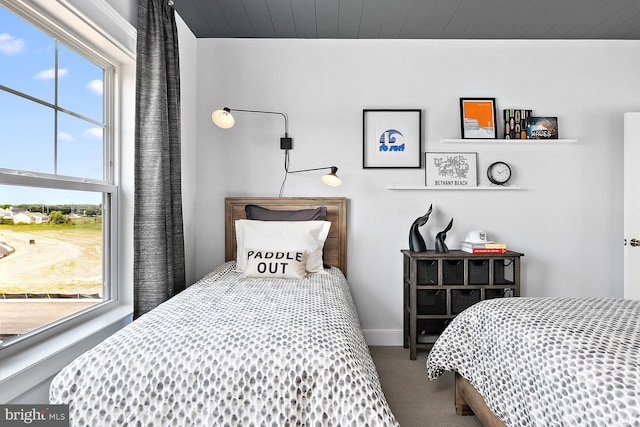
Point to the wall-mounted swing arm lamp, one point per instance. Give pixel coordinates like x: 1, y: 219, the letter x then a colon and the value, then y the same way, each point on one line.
x: 224, y: 119
x: 330, y: 179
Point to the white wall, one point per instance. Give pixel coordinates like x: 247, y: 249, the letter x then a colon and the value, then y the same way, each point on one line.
x: 128, y: 9
x: 567, y: 219
x: 188, y: 89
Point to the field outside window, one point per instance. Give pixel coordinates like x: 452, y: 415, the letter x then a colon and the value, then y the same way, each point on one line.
x: 51, y: 260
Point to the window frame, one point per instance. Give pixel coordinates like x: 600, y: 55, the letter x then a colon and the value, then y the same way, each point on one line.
x: 105, y: 186
x: 98, y: 33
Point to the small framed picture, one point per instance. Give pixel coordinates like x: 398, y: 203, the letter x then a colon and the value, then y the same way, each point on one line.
x: 516, y: 122
x: 392, y: 139
x: 451, y: 169
x: 478, y: 118
x: 542, y: 128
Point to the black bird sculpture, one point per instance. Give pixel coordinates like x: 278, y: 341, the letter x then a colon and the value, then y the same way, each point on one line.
x: 441, y: 246
x: 416, y: 242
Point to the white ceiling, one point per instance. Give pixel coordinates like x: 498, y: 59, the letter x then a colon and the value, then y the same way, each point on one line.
x: 413, y: 19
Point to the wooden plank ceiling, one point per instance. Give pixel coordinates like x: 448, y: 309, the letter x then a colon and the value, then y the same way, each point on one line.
x: 413, y: 19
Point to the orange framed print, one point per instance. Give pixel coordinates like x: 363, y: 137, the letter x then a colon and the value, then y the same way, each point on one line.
x: 478, y: 118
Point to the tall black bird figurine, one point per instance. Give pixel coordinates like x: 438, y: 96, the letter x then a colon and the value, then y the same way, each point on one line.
x: 416, y: 242
x: 441, y: 246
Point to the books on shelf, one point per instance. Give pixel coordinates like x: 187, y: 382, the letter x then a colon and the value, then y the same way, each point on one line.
x: 484, y: 251
x: 484, y: 248
x: 485, y: 245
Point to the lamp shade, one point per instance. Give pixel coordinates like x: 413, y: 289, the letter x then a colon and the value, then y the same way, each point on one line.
x: 331, y: 179
x: 223, y: 118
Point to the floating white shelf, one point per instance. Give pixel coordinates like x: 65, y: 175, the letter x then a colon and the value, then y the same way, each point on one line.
x: 480, y: 187
x: 510, y: 141
x: 487, y: 141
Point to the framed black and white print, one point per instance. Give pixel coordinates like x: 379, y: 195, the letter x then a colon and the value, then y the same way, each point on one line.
x: 478, y: 118
x: 392, y: 139
x: 451, y: 169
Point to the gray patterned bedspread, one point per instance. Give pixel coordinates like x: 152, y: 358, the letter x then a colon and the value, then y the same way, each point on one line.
x: 548, y: 361
x: 230, y: 351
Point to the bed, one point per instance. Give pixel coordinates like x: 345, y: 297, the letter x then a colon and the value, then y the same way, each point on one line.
x: 544, y: 361
x: 240, y: 348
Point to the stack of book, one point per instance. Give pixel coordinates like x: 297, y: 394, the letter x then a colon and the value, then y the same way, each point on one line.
x: 484, y: 248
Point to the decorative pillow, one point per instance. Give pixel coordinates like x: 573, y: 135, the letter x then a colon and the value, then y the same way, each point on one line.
x: 280, y: 264
x: 259, y: 213
x: 308, y: 236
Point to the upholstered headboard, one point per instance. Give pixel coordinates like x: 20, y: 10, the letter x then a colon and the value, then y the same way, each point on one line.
x: 335, y: 247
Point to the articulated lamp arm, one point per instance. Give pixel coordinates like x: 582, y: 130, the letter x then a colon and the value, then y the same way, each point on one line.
x: 224, y: 119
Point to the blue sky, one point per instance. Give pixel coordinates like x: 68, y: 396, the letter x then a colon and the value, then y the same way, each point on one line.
x: 27, y: 129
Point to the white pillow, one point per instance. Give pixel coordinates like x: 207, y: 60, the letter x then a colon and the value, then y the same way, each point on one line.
x: 280, y: 264
x: 308, y: 236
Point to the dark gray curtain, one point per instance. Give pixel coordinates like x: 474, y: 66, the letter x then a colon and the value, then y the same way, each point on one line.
x: 158, y: 232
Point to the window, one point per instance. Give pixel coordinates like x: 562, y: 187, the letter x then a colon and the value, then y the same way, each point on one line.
x: 57, y: 189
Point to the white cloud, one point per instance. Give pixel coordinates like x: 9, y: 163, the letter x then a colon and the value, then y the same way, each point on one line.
x: 45, y: 75
x: 9, y: 45
x: 51, y: 73
x: 95, y: 86
x: 63, y: 136
x: 93, y: 133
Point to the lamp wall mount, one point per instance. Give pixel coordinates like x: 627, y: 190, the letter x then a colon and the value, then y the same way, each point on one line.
x: 286, y: 143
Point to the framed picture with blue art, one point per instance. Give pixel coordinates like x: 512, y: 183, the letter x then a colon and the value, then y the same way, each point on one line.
x: 391, y: 139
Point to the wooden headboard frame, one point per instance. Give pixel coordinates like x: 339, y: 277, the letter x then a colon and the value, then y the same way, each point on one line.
x: 335, y: 247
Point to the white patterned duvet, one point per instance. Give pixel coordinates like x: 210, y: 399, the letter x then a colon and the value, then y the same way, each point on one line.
x: 548, y: 361
x: 230, y: 351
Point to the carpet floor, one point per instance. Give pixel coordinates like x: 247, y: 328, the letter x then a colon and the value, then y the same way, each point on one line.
x: 414, y: 400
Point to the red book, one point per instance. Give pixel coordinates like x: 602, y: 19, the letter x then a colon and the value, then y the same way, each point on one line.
x: 485, y: 251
